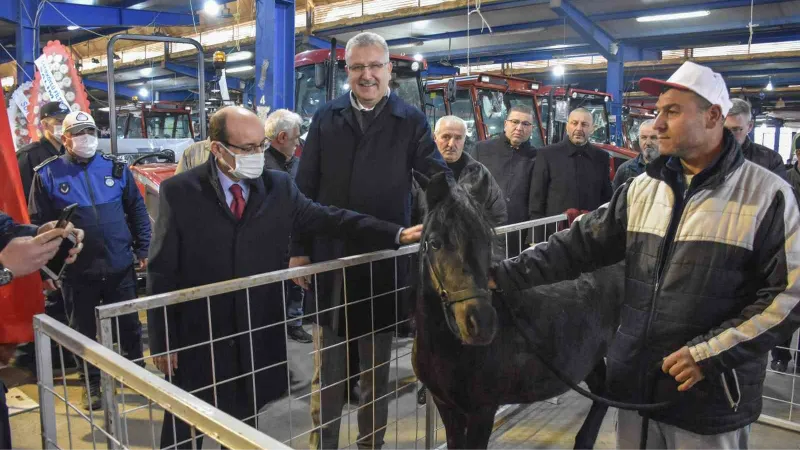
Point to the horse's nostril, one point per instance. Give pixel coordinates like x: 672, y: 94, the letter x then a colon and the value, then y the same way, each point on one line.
x: 472, y: 325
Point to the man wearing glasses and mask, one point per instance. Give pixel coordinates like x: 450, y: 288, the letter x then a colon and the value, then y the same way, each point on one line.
x: 225, y: 219
x: 509, y: 158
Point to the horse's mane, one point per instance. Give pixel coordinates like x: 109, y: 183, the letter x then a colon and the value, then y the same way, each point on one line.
x: 463, y: 220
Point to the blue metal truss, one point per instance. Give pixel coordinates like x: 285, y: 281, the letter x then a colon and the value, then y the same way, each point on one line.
x: 275, y: 55
x: 233, y: 82
x: 318, y: 42
x: 89, y: 15
x: 495, y: 6
x: 477, y: 32
x: 128, y: 92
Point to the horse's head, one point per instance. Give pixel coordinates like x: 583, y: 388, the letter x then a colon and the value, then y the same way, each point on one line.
x: 455, y: 254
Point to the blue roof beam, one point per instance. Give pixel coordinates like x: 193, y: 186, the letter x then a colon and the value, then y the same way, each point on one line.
x: 317, y: 41
x: 597, y: 37
x: 65, y: 14
x: 233, y: 82
x: 477, y: 31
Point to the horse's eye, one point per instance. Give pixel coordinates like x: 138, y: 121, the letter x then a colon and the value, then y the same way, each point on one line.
x: 435, y: 244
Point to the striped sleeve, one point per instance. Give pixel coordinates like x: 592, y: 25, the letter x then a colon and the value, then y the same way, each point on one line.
x: 775, y: 313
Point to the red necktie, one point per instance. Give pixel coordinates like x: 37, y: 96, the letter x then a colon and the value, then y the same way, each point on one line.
x: 237, y: 205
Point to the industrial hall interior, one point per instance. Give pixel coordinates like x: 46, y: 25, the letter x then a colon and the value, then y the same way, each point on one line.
x: 410, y: 224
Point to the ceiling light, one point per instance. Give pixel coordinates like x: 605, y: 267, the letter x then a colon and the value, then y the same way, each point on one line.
x: 146, y: 71
x: 239, y: 69
x: 769, y: 85
x: 240, y: 56
x: 211, y: 8
x: 418, y: 57
x: 73, y: 27
x: 676, y: 16
x: 558, y: 70
x: 143, y: 92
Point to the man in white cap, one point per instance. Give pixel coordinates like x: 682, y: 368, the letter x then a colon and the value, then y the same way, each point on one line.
x: 712, y: 252
x: 111, y: 211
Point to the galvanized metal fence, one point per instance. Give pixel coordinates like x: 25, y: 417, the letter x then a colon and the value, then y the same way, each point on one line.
x: 388, y: 411
x: 151, y: 392
x: 782, y: 390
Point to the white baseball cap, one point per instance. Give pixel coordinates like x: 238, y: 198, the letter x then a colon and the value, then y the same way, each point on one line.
x: 696, y: 78
x: 77, y: 121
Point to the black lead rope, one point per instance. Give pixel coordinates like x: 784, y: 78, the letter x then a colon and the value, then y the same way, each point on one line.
x: 639, y: 407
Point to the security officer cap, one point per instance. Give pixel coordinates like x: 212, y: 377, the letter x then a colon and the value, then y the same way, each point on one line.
x: 78, y: 121
x: 53, y: 109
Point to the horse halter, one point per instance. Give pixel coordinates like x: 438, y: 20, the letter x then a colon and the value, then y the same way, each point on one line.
x: 449, y: 299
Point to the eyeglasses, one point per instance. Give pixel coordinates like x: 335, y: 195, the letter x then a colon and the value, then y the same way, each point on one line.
x: 358, y: 68
x: 516, y: 123
x: 262, y: 147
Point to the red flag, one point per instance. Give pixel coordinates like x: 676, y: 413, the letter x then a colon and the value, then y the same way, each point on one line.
x: 23, y: 298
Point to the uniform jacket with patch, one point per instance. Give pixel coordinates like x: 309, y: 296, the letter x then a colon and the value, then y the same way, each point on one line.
x: 713, y: 267
x: 30, y: 156
x: 110, y: 211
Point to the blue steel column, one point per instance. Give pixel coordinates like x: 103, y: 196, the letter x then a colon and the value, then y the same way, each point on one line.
x: 25, y: 35
x: 274, y: 54
x: 778, y: 126
x: 615, y: 85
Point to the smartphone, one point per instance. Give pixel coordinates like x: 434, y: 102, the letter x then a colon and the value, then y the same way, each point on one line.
x: 66, y: 214
x: 55, y: 267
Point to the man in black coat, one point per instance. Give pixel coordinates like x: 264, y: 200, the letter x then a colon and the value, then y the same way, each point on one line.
x: 226, y: 219
x: 740, y: 122
x: 359, y: 153
x: 51, y: 117
x: 648, y: 151
x: 509, y: 158
x: 571, y: 174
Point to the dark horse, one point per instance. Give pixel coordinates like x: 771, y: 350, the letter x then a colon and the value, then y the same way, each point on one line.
x: 467, y: 351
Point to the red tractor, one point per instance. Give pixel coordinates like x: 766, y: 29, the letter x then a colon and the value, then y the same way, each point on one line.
x: 483, y: 102
x: 556, y: 104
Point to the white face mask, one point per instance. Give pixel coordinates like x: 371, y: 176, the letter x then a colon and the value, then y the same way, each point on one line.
x: 84, y: 146
x: 247, y: 166
x: 58, y: 131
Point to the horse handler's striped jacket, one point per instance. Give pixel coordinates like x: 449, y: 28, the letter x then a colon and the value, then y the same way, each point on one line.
x: 713, y: 267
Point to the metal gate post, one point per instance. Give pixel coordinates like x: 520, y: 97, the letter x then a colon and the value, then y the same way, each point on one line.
x: 430, y: 421
x: 110, y: 412
x: 44, y: 369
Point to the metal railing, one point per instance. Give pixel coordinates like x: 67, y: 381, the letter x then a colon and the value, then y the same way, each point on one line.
x: 139, y: 383
x: 406, y: 423
x: 781, y: 395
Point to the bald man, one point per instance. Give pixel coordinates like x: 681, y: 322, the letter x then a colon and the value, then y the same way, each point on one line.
x: 648, y: 151
x: 572, y: 173
x: 247, y: 215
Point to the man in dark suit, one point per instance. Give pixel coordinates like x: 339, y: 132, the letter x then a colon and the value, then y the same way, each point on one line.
x: 226, y: 219
x: 740, y: 121
x: 359, y: 153
x: 509, y: 158
x: 572, y: 174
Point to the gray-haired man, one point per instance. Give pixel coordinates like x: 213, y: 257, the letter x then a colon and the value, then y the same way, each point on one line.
x: 740, y: 122
x: 648, y: 151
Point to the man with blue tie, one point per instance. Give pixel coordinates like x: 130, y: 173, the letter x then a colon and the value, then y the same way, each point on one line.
x: 229, y: 218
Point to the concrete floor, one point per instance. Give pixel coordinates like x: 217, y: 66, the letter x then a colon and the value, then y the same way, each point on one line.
x: 541, y: 425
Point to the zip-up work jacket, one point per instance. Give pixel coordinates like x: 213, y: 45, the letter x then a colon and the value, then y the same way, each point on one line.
x: 110, y: 211
x: 713, y: 266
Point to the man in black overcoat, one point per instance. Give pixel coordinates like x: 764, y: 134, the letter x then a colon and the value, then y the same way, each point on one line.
x: 359, y: 153
x: 227, y: 219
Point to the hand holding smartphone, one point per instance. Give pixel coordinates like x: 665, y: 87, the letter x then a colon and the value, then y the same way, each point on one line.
x: 55, y: 267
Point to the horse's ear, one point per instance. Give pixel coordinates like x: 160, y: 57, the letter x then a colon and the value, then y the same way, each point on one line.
x: 438, y: 189
x: 422, y: 180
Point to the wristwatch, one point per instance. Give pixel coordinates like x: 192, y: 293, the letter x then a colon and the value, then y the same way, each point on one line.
x: 5, y: 276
